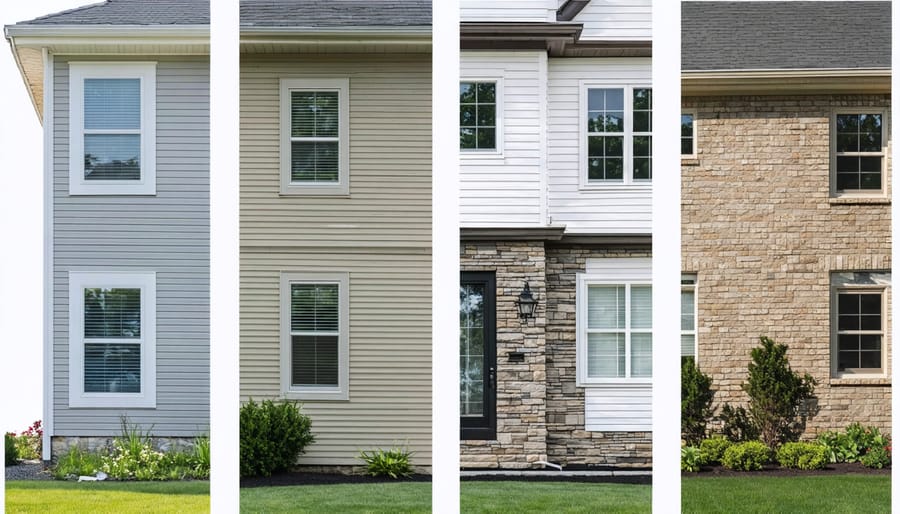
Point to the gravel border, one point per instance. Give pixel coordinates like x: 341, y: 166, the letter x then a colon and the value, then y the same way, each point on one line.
x: 28, y: 470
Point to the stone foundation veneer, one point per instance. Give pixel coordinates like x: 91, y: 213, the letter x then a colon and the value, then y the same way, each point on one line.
x: 59, y: 445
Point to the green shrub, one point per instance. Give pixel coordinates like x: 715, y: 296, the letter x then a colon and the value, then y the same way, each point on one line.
x: 747, y: 456
x: 876, y: 457
x: 696, y: 402
x: 853, y: 443
x: 28, y: 442
x: 691, y: 459
x: 273, y: 435
x: 75, y: 463
x: 737, y: 426
x: 12, y: 453
x: 837, y: 447
x: 201, y: 457
x: 802, y: 455
x: 776, y: 393
x: 712, y: 449
x: 392, y: 463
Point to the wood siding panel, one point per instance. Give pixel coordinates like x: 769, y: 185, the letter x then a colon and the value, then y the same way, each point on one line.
x: 167, y: 233
x: 506, y: 190
x: 616, y: 209
x: 618, y: 408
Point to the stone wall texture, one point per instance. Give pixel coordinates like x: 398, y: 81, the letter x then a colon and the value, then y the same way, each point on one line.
x: 763, y: 234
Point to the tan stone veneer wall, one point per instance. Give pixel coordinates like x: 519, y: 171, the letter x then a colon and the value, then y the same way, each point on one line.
x: 567, y: 441
x: 763, y: 235
x: 521, y: 388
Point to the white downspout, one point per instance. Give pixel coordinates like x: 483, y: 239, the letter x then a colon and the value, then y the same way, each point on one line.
x: 48, y: 302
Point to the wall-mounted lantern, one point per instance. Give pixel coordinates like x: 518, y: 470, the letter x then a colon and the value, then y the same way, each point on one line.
x: 526, y: 303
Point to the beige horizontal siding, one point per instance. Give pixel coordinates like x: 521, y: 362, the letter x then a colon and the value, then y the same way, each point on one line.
x: 380, y: 235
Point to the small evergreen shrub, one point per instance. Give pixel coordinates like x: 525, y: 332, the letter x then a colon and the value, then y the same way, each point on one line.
x: 877, y: 457
x: 737, y: 426
x: 802, y: 455
x: 272, y: 436
x: 12, y: 453
x: 713, y: 449
x: 776, y: 393
x: 747, y: 456
x: 392, y: 463
x: 696, y: 402
x: 691, y: 459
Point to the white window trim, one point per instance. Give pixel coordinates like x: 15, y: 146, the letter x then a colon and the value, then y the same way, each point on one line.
x: 583, y: 281
x: 146, y: 281
x: 693, y: 154
x: 628, y: 182
x: 342, y: 87
x: 832, y: 153
x: 146, y: 73
x: 854, y: 288
x: 342, y: 391
x: 497, y: 152
x: 691, y: 287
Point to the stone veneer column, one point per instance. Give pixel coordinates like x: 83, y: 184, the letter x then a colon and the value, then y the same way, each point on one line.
x: 521, y: 397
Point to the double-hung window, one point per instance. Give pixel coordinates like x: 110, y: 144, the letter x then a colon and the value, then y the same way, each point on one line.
x: 617, y: 142
x: 478, y: 116
x: 689, y: 315
x: 315, y: 140
x: 615, y: 330
x: 858, y: 322
x: 112, y: 128
x: 858, y: 161
x: 112, y: 339
x: 688, y: 134
x: 315, y: 335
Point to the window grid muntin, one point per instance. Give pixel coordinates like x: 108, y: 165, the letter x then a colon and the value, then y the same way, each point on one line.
x: 315, y: 333
x: 478, y: 127
x: 861, y: 157
x: 85, y: 131
x: 97, y: 341
x: 689, y: 285
x: 627, y: 330
x: 315, y: 139
x: 627, y: 136
x: 688, y: 134
x: 880, y: 333
x: 638, y: 134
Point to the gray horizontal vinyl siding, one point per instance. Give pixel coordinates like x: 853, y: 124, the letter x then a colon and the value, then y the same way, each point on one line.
x: 167, y: 233
x: 380, y: 235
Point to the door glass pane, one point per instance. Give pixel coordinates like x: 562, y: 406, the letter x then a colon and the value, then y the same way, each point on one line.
x: 471, y: 349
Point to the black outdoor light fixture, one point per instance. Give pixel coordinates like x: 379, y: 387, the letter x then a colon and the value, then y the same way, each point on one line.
x: 526, y: 303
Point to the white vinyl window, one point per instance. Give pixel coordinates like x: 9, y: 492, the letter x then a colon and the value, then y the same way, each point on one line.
x: 112, y: 128
x: 859, y: 323
x: 112, y: 339
x: 858, y: 155
x: 480, y: 110
x: 617, y: 133
x: 315, y: 136
x: 689, y: 315
x: 615, y: 325
x: 315, y: 336
x: 688, y: 134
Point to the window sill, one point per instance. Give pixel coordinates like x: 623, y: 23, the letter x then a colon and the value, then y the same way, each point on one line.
x: 315, y: 396
x: 615, y: 186
x: 690, y: 161
x: 860, y: 381
x: 859, y: 200
x: 474, y: 155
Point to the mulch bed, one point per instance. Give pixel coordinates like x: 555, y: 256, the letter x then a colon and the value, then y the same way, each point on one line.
x: 307, y: 478
x: 840, y: 468
x: 593, y: 479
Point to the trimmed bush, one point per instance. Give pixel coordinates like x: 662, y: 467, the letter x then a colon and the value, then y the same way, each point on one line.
x: 747, y: 456
x: 691, y: 459
x: 712, y: 449
x: 696, y: 402
x: 273, y: 435
x: 12, y: 453
x: 392, y: 463
x: 737, y: 426
x: 802, y: 455
x: 877, y: 457
x: 776, y: 393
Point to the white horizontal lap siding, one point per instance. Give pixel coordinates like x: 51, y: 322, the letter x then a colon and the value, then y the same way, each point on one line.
x: 621, y: 20
x: 390, y: 154
x: 505, y: 189
x: 167, y: 233
x: 390, y: 348
x: 507, y: 10
x: 618, y: 408
x: 612, y: 210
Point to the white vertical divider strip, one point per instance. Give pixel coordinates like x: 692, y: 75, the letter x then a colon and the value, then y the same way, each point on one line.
x: 48, y: 254
x: 666, y: 223
x: 224, y: 255
x: 445, y: 257
x: 895, y: 233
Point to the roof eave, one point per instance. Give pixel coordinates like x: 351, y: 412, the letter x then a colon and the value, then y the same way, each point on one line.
x: 785, y: 81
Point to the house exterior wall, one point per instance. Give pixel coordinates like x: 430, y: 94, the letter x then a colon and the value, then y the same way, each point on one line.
x: 506, y: 188
x: 615, y: 20
x: 503, y: 10
x: 600, y: 209
x: 763, y: 236
x: 379, y: 234
x: 167, y: 233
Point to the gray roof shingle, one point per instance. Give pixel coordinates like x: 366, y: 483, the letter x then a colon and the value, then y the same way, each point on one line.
x: 335, y: 13
x: 785, y: 35
x: 131, y: 12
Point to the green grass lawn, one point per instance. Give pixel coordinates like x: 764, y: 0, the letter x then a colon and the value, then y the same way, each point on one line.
x: 409, y: 497
x: 840, y: 493
x: 106, y: 497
